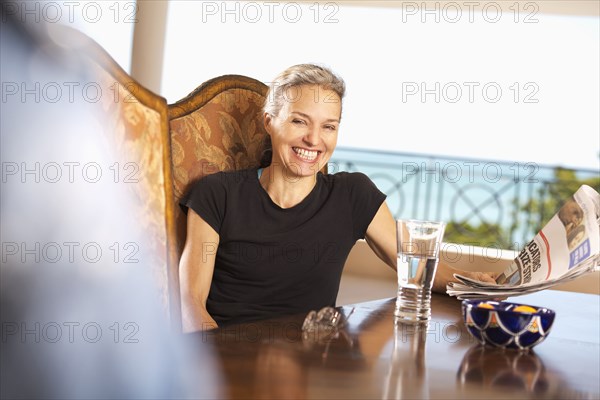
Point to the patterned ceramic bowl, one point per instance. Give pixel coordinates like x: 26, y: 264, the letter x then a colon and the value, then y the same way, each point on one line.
x: 507, y: 325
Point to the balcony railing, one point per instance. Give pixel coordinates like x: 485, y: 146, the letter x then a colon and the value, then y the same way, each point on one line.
x: 489, y: 203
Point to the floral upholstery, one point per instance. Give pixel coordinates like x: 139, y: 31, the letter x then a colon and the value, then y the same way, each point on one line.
x: 224, y: 133
x: 136, y: 137
x: 135, y: 121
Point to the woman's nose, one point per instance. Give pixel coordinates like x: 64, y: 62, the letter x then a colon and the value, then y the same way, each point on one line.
x: 312, y: 137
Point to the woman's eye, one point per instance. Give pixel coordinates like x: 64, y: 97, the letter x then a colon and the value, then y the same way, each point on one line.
x: 297, y: 121
x: 330, y: 127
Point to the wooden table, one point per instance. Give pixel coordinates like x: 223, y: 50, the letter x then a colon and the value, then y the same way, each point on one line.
x: 374, y: 358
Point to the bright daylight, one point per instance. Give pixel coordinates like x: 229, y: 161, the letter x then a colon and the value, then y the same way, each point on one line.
x: 300, y: 199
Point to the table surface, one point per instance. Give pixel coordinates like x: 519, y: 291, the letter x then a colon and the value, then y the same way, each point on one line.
x: 375, y: 358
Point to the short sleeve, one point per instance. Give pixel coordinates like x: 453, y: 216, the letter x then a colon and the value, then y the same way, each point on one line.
x: 365, y: 200
x: 208, y: 198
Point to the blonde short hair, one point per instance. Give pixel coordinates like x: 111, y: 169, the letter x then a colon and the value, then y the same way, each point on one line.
x: 299, y: 75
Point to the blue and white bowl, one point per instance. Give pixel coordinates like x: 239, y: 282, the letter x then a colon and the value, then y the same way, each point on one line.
x: 501, y: 324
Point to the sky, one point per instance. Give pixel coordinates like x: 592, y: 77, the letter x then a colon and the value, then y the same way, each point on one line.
x: 490, y: 84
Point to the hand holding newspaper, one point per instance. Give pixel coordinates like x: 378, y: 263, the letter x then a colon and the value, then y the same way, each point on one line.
x: 568, y: 246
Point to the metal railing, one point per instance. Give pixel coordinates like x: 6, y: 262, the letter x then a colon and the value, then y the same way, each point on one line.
x: 488, y: 203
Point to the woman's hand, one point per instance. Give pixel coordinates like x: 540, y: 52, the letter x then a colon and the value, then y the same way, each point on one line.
x: 445, y: 274
x: 195, y: 273
x: 489, y: 277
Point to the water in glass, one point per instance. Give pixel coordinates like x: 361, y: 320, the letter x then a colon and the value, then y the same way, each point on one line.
x: 415, y: 277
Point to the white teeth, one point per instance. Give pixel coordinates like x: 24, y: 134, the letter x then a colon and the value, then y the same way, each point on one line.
x: 308, y: 155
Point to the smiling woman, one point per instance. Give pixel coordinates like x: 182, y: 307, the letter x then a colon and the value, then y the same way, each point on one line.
x: 282, y: 233
x: 301, y: 115
x: 274, y: 240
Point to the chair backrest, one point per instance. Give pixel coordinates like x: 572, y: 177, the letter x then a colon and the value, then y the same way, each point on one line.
x: 217, y: 127
x: 135, y: 122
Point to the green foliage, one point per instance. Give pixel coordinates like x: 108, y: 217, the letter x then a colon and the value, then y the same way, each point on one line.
x: 553, y: 194
x: 537, y: 212
x: 485, y: 235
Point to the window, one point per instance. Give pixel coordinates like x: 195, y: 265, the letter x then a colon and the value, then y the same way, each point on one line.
x: 494, y: 82
x: 110, y: 23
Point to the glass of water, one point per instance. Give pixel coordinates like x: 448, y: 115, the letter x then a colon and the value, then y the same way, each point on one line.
x: 418, y: 255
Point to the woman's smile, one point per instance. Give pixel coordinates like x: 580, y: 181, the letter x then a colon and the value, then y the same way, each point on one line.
x: 306, y: 155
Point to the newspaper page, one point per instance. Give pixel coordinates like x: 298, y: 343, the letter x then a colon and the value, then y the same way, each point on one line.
x: 566, y: 247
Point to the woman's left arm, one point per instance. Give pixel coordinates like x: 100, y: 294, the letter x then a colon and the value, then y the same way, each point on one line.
x: 381, y: 237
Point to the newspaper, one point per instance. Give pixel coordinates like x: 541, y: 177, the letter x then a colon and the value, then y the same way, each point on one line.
x: 567, y: 247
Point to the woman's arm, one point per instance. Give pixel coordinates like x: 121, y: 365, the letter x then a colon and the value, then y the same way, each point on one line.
x: 381, y: 237
x: 195, y: 273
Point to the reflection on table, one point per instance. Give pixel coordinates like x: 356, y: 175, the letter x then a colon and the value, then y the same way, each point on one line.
x: 374, y: 357
x: 497, y: 368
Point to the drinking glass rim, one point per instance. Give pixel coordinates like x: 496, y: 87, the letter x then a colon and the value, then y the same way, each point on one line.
x: 421, y: 221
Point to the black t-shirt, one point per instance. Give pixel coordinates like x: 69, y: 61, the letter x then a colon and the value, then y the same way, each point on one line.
x: 273, y: 261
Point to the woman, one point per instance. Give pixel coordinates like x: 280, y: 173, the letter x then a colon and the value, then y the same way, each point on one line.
x: 274, y: 240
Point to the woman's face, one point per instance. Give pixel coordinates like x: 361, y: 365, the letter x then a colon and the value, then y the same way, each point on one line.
x: 304, y: 133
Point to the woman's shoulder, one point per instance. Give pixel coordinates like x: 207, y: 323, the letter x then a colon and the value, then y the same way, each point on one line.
x: 222, y: 182
x: 228, y: 177
x: 348, y: 178
x: 353, y: 183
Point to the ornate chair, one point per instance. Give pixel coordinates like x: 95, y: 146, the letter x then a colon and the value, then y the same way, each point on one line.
x: 135, y: 122
x: 217, y: 127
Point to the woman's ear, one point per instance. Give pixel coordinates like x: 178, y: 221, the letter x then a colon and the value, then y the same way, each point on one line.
x: 268, y: 122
